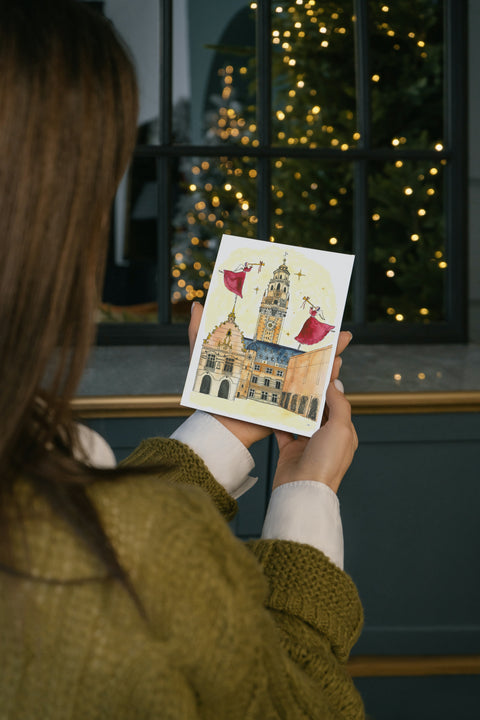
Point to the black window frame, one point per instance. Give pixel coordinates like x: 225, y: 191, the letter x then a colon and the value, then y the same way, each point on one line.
x: 455, y: 327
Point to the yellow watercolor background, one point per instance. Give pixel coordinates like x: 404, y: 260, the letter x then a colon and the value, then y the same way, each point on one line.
x: 315, y: 283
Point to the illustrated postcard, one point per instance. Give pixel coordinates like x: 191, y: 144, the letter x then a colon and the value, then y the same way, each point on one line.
x: 267, y: 339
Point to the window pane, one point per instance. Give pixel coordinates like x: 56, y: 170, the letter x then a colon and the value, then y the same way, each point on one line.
x: 141, y: 32
x: 406, y: 64
x: 312, y: 206
x: 215, y: 195
x: 130, y: 290
x: 312, y: 203
x: 214, y: 93
x: 407, y: 260
x: 313, y: 64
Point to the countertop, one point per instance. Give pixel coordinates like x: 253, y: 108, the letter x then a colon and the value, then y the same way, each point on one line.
x: 161, y: 370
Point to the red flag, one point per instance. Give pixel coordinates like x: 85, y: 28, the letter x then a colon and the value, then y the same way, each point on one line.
x: 234, y: 280
x: 313, y: 330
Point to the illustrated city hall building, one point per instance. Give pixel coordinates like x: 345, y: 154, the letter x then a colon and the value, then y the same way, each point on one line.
x: 232, y: 366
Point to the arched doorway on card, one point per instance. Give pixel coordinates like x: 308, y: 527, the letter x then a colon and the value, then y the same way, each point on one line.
x: 206, y: 384
x: 312, y: 413
x: 224, y: 389
x: 303, y: 404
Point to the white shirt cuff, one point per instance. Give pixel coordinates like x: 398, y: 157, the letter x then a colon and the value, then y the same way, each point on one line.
x: 223, y: 453
x: 306, y: 512
x: 94, y: 449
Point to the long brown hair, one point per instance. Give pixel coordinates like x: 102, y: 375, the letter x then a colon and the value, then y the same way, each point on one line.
x: 68, y: 108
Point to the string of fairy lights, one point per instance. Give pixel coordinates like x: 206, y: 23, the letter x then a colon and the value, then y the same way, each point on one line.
x: 221, y: 192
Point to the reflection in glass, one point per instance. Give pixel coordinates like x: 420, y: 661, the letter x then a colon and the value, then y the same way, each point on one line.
x: 130, y: 289
x: 141, y: 33
x: 313, y: 73
x: 215, y: 195
x: 214, y: 73
x: 406, y: 62
x: 312, y: 203
x: 407, y: 259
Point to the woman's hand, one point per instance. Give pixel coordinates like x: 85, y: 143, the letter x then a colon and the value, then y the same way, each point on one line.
x: 247, y: 432
x: 327, y: 455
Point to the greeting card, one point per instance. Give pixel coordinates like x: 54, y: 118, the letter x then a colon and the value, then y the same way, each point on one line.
x: 267, y: 339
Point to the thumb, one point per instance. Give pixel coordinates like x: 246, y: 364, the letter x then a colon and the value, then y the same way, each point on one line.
x: 283, y: 438
x: 196, y: 316
x: 339, y: 409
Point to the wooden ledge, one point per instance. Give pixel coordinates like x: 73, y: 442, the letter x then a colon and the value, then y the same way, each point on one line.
x: 414, y: 402
x: 106, y: 406
x: 413, y: 665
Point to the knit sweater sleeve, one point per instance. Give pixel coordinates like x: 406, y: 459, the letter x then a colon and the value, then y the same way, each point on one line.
x: 181, y: 465
x: 260, y: 631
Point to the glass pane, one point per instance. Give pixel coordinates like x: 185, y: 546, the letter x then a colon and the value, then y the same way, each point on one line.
x: 214, y: 74
x: 141, y: 33
x: 312, y: 203
x: 215, y: 195
x: 313, y: 70
x: 406, y: 63
x: 130, y: 290
x: 407, y: 259
x: 312, y: 206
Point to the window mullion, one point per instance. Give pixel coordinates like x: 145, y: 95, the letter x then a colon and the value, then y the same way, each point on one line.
x: 455, y: 130
x: 360, y: 205
x: 164, y: 191
x: 264, y: 109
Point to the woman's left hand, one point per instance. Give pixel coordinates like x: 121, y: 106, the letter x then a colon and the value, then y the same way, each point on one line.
x: 248, y: 432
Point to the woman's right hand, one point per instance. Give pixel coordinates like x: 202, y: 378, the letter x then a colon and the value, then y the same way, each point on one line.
x: 327, y: 455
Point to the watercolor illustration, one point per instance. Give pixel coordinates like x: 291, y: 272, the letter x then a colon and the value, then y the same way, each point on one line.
x: 269, y: 330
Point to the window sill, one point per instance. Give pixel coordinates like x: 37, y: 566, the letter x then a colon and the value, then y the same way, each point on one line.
x: 161, y: 370
x: 379, y: 379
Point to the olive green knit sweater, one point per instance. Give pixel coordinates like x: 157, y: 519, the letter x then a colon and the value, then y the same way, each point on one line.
x: 234, y: 631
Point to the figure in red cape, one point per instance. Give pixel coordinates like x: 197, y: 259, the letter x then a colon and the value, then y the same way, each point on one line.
x: 234, y: 279
x: 313, y: 330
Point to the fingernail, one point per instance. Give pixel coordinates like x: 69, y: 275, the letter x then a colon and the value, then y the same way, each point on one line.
x: 339, y: 385
x: 341, y: 362
x: 192, y: 306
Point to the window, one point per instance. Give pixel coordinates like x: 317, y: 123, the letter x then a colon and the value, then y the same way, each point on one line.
x: 251, y: 393
x: 278, y: 384
x: 266, y: 381
x: 354, y: 143
x: 268, y: 370
x: 274, y: 398
x: 280, y: 373
x: 254, y: 379
x: 228, y: 366
x: 264, y: 395
x: 257, y: 367
x: 210, y: 361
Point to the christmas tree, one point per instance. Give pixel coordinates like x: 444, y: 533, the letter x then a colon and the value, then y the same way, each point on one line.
x: 314, y: 105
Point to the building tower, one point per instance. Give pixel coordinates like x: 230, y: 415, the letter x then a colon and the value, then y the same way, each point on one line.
x: 274, y: 305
